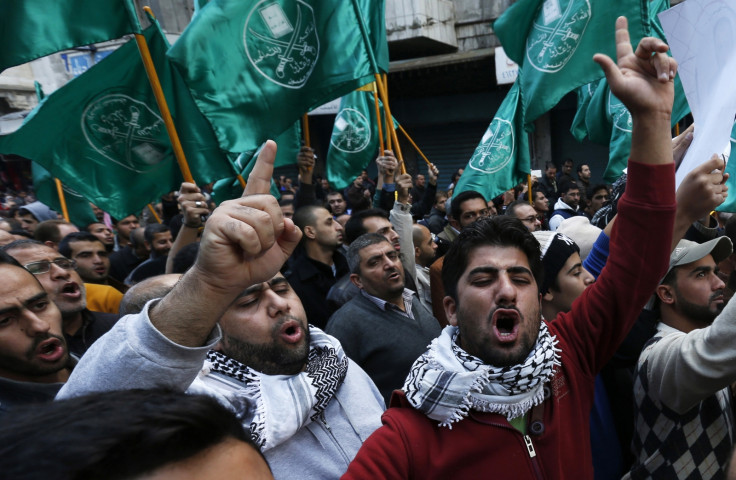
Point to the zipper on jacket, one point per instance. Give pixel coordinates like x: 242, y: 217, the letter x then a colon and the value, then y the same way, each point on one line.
x: 326, y: 427
x: 529, y: 446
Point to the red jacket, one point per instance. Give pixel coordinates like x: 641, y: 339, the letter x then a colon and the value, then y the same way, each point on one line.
x: 485, y: 445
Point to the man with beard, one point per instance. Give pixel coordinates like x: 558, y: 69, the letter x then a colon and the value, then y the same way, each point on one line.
x: 317, y: 263
x: 683, y: 407
x: 501, y: 392
x: 385, y: 327
x: 34, y: 359
x: 308, y: 407
x: 58, y: 276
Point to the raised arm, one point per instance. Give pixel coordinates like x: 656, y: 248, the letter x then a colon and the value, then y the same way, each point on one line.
x: 644, y: 82
x: 194, y: 208
x: 245, y: 242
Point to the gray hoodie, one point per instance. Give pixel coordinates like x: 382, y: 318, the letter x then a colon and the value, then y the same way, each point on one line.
x: 136, y: 355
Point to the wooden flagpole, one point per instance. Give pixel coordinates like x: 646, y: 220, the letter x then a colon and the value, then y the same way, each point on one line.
x: 421, y: 154
x: 62, y: 199
x: 378, y: 120
x: 153, y: 212
x: 161, y: 101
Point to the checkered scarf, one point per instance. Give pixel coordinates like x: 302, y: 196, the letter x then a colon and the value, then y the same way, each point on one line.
x: 285, y: 403
x: 446, y: 382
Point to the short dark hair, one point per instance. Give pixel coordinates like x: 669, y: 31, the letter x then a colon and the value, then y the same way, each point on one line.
x: 511, y: 208
x: 597, y: 189
x: 65, y: 247
x: 354, y: 226
x: 580, y: 167
x: 502, y: 231
x: 48, y: 230
x: 548, y: 165
x: 304, y: 216
x: 459, y: 199
x: 365, y: 240
x: 152, y: 229
x: 566, y: 186
x: 113, y: 435
x: 25, y: 244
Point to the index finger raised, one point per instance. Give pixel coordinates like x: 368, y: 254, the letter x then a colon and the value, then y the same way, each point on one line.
x: 623, y: 41
x: 259, y: 180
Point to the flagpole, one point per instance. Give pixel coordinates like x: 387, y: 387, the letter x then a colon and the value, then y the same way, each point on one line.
x: 305, y: 123
x: 62, y: 200
x: 241, y: 180
x: 529, y: 180
x: 381, y: 88
x: 153, y: 211
x: 390, y: 123
x: 161, y: 101
x: 378, y: 120
x: 401, y: 129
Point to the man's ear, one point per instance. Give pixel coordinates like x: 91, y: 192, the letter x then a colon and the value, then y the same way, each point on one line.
x: 450, y: 310
x: 355, y: 278
x: 309, y: 232
x: 547, y: 297
x: 665, y: 294
x: 416, y: 253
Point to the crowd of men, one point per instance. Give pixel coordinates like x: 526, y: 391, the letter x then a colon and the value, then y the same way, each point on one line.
x: 561, y: 330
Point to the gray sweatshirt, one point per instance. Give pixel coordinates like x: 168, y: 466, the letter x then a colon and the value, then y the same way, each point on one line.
x: 136, y: 355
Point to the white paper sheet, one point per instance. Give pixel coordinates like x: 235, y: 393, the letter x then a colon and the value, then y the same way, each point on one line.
x: 702, y: 37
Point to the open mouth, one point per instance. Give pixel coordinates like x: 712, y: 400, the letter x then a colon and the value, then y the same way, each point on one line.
x: 291, y: 331
x: 50, y: 350
x: 506, y: 325
x: 70, y: 290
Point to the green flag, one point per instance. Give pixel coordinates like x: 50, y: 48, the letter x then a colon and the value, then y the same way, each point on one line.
x: 288, y: 144
x: 80, y: 213
x: 35, y: 28
x: 255, y: 67
x: 604, y: 119
x: 554, y: 41
x: 501, y: 160
x: 103, y: 136
x: 354, y: 142
x: 730, y: 204
x: 584, y: 94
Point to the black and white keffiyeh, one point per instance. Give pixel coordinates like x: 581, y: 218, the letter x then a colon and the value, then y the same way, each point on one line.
x: 446, y: 382
x: 285, y: 403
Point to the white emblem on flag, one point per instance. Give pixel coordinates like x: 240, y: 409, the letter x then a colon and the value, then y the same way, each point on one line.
x: 281, y: 41
x: 556, y: 34
x: 352, y: 131
x: 496, y: 148
x: 125, y: 131
x: 620, y: 115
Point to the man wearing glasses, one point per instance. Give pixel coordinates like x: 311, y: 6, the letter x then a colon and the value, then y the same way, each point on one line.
x: 59, y: 278
x: 34, y: 359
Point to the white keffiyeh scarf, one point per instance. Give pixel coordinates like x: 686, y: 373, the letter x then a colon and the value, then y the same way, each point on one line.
x: 446, y: 382
x: 285, y: 403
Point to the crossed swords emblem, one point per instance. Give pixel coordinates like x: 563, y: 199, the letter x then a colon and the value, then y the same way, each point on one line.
x: 129, y: 135
x: 291, y: 45
x: 492, y: 146
x: 557, y: 32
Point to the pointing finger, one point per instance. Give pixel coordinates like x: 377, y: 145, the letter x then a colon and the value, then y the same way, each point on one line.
x: 259, y: 180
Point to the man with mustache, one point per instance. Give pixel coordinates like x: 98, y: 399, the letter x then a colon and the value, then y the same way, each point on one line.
x: 504, y: 392
x: 308, y: 407
x: 34, y: 359
x: 58, y: 276
x: 682, y: 398
x: 385, y: 327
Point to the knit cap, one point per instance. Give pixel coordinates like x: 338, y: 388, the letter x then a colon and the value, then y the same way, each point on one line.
x: 556, y: 248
